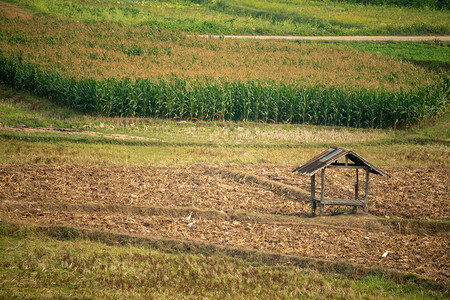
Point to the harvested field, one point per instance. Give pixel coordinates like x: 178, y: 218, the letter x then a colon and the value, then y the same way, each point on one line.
x: 411, y: 192
x: 416, y: 193
x: 115, y: 198
x: 133, y: 186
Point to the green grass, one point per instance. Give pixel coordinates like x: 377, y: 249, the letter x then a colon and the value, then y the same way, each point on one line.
x: 253, y: 17
x: 434, y: 4
x: 429, y: 55
x: 25, y: 110
x: 36, y: 265
x: 180, y: 143
x: 39, y: 150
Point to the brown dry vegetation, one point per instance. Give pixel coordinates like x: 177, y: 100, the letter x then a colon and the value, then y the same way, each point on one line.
x: 12, y: 11
x: 134, y: 186
x: 104, y: 198
x: 411, y: 192
x: 111, y: 51
x: 423, y: 255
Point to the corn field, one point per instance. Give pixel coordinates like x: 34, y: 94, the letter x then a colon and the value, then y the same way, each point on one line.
x: 218, y: 99
x: 73, y: 50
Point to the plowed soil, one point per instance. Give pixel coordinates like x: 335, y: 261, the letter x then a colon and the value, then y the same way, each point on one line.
x: 84, y: 197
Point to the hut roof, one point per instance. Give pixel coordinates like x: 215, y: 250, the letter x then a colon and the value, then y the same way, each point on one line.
x: 330, y: 156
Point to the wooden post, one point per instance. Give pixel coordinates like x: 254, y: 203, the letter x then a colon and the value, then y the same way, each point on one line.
x: 322, y: 189
x: 367, y: 190
x: 356, y: 188
x: 313, y: 195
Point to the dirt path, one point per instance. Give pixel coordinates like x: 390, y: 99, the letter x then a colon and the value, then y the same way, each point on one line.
x: 12, y: 11
x: 336, y: 38
x: 76, y: 131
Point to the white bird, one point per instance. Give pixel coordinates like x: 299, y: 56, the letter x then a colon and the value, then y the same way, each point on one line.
x: 385, y: 254
x: 192, y: 223
x: 189, y: 217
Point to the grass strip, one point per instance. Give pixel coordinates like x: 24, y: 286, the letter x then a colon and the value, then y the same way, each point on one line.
x: 343, y: 17
x: 72, y: 262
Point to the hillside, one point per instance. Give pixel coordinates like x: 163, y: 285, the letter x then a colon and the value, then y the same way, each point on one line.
x: 139, y: 160
x: 267, y: 17
x: 148, y: 71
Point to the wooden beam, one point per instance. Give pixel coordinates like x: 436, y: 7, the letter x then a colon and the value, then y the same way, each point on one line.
x: 336, y: 163
x: 346, y: 202
x: 313, y: 195
x: 322, y: 190
x: 367, y: 191
x: 356, y: 188
x: 343, y: 166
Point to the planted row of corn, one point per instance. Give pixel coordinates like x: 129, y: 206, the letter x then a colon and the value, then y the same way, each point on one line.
x: 213, y: 99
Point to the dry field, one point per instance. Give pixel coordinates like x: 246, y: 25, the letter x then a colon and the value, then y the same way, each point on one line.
x: 233, y: 212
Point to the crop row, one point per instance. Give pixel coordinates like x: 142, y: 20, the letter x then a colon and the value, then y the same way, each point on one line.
x: 215, y: 99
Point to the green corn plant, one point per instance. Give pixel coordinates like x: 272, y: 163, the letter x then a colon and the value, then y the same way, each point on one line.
x: 219, y: 99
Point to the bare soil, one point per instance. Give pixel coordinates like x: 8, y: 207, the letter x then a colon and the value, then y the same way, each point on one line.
x: 11, y: 11
x: 114, y: 199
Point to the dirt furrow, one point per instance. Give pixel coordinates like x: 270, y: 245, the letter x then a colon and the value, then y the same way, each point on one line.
x: 411, y: 192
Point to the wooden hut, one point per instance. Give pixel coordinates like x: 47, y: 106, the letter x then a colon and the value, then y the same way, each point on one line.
x: 338, y: 158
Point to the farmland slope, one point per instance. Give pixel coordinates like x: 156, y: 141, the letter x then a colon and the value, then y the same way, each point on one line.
x: 149, y: 72
x: 256, y: 17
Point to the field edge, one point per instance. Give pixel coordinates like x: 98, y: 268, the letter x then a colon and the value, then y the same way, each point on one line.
x: 173, y: 246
